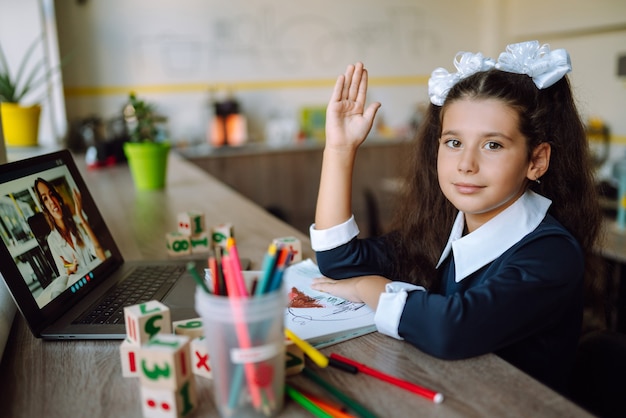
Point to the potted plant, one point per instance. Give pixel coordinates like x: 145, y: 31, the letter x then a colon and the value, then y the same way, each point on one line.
x: 20, y: 121
x: 145, y: 151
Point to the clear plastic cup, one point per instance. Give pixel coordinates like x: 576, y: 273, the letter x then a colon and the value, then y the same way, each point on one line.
x: 246, y: 345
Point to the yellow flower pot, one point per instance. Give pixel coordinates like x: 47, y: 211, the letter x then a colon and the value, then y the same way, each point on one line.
x: 20, y: 124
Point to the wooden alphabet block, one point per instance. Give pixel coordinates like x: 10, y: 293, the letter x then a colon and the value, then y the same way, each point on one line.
x: 129, y: 356
x: 191, y: 223
x: 165, y: 403
x: 189, y: 327
x: 293, y: 244
x: 200, y: 358
x: 164, y: 361
x: 178, y: 244
x: 294, y: 358
x: 200, y: 243
x: 145, y: 320
x: 221, y: 233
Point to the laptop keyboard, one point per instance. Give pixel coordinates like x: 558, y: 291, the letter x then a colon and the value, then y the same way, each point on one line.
x: 142, y: 285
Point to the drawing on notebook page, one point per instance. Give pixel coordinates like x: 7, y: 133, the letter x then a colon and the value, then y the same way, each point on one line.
x: 320, y: 318
x: 324, y: 307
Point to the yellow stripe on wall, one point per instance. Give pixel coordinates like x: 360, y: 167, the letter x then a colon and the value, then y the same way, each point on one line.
x: 236, y: 86
x: 420, y: 80
x: 618, y: 139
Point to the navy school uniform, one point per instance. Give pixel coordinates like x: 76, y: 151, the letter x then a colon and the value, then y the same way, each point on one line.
x: 513, y: 287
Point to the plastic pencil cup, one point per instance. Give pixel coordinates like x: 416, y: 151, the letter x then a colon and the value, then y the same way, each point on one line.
x: 246, y: 345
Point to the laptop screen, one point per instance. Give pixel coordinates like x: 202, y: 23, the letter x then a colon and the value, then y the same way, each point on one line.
x: 55, y: 242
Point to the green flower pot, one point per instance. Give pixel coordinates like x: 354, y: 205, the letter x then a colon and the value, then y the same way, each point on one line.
x: 148, y: 164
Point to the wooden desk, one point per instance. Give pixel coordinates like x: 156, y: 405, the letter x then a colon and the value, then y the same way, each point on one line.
x: 84, y: 379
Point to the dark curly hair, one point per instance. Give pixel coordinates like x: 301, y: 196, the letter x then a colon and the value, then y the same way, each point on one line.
x: 549, y: 115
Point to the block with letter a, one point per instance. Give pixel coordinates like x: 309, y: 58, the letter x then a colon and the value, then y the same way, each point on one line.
x: 145, y: 320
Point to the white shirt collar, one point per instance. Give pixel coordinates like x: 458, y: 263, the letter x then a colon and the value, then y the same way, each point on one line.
x: 491, y: 240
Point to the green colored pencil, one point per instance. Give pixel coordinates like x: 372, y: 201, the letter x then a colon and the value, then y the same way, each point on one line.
x: 361, y: 410
x: 191, y: 268
x: 306, y: 402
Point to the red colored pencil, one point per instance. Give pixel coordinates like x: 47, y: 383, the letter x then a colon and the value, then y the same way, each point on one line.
x: 412, y: 387
x: 214, y: 275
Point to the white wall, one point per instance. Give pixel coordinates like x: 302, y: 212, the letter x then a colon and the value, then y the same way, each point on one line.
x: 21, y: 22
x: 594, y: 33
x: 276, y: 55
x: 279, y: 55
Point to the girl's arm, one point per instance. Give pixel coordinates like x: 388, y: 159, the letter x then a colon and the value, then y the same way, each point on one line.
x: 348, y: 122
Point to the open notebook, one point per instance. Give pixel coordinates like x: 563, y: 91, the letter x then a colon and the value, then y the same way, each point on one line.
x: 320, y: 318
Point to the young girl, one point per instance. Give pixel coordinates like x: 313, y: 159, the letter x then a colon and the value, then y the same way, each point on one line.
x: 498, y: 220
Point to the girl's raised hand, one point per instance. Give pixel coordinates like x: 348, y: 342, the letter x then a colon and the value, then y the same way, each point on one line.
x: 348, y: 121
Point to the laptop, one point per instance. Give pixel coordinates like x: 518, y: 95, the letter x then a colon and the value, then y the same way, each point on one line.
x: 65, y: 300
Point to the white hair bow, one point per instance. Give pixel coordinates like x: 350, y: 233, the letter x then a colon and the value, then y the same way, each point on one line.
x: 466, y: 63
x: 545, y: 67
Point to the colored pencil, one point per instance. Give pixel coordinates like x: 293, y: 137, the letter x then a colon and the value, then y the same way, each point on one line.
x: 191, y: 268
x: 334, y: 410
x: 242, y: 335
x: 235, y: 264
x: 220, y: 272
x: 320, y: 359
x: 282, y: 262
x: 215, y: 279
x: 333, y: 362
x: 230, y: 264
x: 352, y: 404
x: 305, y: 402
x: 412, y: 387
x: 267, y: 271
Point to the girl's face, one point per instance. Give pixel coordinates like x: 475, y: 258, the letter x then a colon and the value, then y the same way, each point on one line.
x: 50, y: 201
x: 482, y: 163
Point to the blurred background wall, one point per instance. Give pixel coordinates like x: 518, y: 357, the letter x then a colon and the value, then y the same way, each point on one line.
x: 277, y: 56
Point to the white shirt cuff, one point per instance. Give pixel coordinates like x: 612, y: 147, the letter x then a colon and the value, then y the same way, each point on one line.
x: 390, y: 307
x: 333, y: 237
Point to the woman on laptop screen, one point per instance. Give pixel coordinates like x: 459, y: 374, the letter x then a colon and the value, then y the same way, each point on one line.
x: 72, y: 241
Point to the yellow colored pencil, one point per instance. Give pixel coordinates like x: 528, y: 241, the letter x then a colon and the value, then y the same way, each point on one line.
x: 320, y: 359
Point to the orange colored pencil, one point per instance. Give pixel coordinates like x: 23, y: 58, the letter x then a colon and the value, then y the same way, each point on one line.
x: 334, y: 410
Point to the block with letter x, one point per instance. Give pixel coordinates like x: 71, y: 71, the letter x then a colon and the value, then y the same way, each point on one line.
x: 200, y: 358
